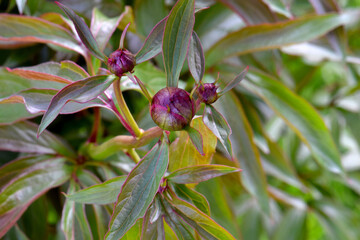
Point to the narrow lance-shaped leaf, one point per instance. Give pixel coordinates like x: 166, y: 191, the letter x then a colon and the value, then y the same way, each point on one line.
x: 84, y: 32
x: 292, y: 226
x: 153, y: 226
x: 177, y: 34
x: 103, y: 27
x: 219, y: 126
x: 21, y: 137
x: 182, y: 230
x: 252, y: 12
x: 300, y: 116
x: 81, y: 91
x: 104, y: 193
x: 65, y: 72
x: 38, y: 100
x: 190, y: 195
x: 138, y: 191
x: 200, y: 173
x: 196, y: 138
x: 153, y: 43
x: 24, y: 180
x: 234, y: 82
x: 202, y: 223
x: 196, y: 58
x: 74, y: 221
x: 36, y: 30
x: 271, y: 36
x: 253, y: 177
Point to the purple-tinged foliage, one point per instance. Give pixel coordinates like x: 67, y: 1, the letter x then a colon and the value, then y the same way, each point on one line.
x: 172, y: 108
x: 207, y: 93
x: 121, y: 61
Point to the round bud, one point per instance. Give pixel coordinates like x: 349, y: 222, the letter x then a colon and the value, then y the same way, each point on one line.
x: 207, y: 93
x: 121, y: 61
x: 172, y: 108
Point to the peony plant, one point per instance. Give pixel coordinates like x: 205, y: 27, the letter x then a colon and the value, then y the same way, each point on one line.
x: 127, y: 133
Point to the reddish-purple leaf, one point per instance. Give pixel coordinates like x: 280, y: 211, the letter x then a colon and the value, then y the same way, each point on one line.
x: 81, y: 91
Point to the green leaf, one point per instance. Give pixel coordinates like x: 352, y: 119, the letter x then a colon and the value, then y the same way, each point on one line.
x: 271, y: 36
x: 138, y: 191
x: 196, y: 139
x: 15, y: 83
x: 252, y: 12
x: 36, y: 30
x: 134, y: 232
x: 274, y: 159
x: 300, y: 116
x: 234, y: 82
x: 222, y: 207
x: 74, y: 221
x: 38, y: 101
x: 15, y: 233
x: 199, y: 173
x: 153, y: 78
x: 252, y: 177
x: 21, y: 5
x: 177, y: 34
x: 84, y: 32
x: 103, y: 27
x: 292, y: 226
x: 24, y: 180
x: 181, y: 229
x: 145, y: 19
x: 21, y: 137
x: 153, y: 43
x: 81, y: 91
x: 104, y: 193
x: 153, y: 225
x: 202, y: 223
x: 190, y: 195
x: 65, y: 72
x: 10, y: 113
x: 184, y: 151
x: 196, y: 58
x: 219, y: 126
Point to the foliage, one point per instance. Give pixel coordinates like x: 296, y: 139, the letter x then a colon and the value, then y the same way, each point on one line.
x: 271, y: 152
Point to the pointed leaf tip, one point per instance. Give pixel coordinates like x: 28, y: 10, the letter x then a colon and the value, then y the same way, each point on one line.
x: 234, y: 82
x: 84, y: 32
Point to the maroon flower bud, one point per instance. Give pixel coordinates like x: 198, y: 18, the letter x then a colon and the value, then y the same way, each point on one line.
x: 121, y: 61
x: 172, y: 108
x: 207, y: 93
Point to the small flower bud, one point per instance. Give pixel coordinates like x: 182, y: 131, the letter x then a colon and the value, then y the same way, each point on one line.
x: 207, y: 93
x: 172, y: 108
x: 121, y: 61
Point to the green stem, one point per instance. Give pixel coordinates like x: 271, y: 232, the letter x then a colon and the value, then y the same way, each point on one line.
x: 124, y: 110
x: 133, y: 154
x: 122, y: 142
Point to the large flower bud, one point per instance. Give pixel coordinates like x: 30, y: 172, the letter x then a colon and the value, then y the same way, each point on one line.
x: 172, y: 108
x: 207, y: 93
x: 121, y: 61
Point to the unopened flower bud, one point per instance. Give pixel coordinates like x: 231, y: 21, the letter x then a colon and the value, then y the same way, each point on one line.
x: 172, y: 108
x: 207, y: 93
x: 121, y: 61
